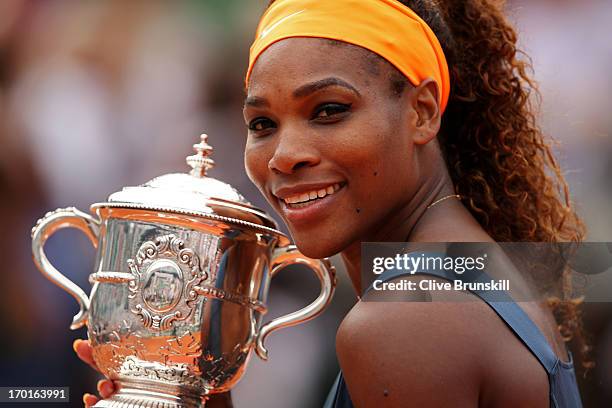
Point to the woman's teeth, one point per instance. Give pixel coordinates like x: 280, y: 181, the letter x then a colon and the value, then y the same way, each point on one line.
x: 311, y: 195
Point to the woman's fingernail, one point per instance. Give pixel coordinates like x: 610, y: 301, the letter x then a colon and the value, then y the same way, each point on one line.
x: 75, y: 344
x: 109, y: 387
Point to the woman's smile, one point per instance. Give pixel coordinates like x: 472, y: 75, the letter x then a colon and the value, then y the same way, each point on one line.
x: 307, y: 203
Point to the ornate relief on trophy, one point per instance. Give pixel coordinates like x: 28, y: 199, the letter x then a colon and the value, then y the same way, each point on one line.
x: 189, y: 257
x: 165, y: 273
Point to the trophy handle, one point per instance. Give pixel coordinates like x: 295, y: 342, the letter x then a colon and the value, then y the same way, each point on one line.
x: 44, y: 228
x: 326, y: 273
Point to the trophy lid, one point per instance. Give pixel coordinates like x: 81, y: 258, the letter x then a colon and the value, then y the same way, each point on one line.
x: 193, y: 193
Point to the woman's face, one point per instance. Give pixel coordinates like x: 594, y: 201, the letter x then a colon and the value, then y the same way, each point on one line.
x: 329, y: 144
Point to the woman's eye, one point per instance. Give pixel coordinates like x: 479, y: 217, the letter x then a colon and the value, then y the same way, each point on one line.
x: 330, y: 110
x: 260, y: 124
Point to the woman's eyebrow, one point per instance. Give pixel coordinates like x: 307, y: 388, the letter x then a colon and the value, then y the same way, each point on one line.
x: 303, y: 91
x: 256, y: 102
x: 312, y: 87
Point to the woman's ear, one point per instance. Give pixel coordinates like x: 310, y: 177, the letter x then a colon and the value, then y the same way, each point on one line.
x: 424, y: 102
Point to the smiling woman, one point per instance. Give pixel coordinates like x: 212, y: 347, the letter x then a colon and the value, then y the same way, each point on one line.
x: 363, y: 118
x: 411, y: 121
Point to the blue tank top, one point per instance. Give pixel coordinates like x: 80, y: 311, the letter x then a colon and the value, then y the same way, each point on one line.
x: 561, y: 376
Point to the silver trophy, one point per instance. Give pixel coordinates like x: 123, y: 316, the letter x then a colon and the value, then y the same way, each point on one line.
x: 180, y: 285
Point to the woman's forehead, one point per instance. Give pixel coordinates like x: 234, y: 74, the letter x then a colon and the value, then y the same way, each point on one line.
x: 293, y: 61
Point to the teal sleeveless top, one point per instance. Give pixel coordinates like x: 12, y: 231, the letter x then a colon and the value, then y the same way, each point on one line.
x: 561, y: 376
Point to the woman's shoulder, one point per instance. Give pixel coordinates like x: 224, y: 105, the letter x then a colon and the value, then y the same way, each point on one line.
x: 436, y: 354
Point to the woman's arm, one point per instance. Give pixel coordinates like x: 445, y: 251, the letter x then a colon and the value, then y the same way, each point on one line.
x: 396, y: 354
x: 436, y: 354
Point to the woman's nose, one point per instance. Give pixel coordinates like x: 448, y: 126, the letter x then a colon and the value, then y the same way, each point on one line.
x: 291, y: 155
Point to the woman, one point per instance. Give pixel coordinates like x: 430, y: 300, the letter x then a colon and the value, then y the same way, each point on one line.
x: 387, y: 120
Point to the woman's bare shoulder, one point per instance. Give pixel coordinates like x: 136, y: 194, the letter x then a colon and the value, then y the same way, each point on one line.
x: 435, y: 354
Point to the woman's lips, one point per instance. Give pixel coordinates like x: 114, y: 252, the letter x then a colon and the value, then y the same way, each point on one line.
x: 301, y: 199
x: 310, y: 206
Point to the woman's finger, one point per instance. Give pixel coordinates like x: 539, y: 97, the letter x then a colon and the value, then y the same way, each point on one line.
x: 106, y: 388
x: 85, y: 353
x: 89, y: 400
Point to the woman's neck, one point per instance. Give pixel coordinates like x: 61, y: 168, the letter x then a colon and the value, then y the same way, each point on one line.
x: 402, y: 224
x: 447, y: 221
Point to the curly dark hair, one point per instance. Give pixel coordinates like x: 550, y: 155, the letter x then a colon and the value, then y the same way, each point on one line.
x: 497, y: 156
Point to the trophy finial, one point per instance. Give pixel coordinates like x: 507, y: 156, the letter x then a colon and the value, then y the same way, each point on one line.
x: 201, y: 162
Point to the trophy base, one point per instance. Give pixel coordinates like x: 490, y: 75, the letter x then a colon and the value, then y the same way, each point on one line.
x: 141, y: 395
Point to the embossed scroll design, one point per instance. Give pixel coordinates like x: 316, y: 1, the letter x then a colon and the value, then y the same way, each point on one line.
x: 165, y: 273
x: 217, y: 370
x: 177, y: 373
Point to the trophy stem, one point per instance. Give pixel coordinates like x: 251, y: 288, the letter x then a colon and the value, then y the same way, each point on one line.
x: 136, y: 394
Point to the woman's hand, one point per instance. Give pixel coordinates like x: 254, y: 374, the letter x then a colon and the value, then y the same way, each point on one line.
x: 106, y: 387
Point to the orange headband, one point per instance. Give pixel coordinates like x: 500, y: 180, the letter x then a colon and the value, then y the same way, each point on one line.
x: 385, y: 27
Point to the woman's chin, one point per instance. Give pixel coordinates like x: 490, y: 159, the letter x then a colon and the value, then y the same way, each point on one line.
x: 315, y: 248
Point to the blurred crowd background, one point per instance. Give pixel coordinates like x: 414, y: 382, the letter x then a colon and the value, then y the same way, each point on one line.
x: 97, y: 95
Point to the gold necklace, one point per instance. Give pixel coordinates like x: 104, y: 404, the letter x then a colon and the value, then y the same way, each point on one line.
x: 442, y: 199
x: 429, y: 206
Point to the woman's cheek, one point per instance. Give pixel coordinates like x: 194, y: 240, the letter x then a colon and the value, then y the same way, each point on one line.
x: 255, y: 164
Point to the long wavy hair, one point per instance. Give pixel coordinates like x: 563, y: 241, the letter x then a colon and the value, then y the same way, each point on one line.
x: 497, y: 156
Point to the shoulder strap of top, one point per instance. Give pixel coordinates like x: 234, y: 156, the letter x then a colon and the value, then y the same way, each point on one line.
x: 503, y: 304
x: 338, y: 396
